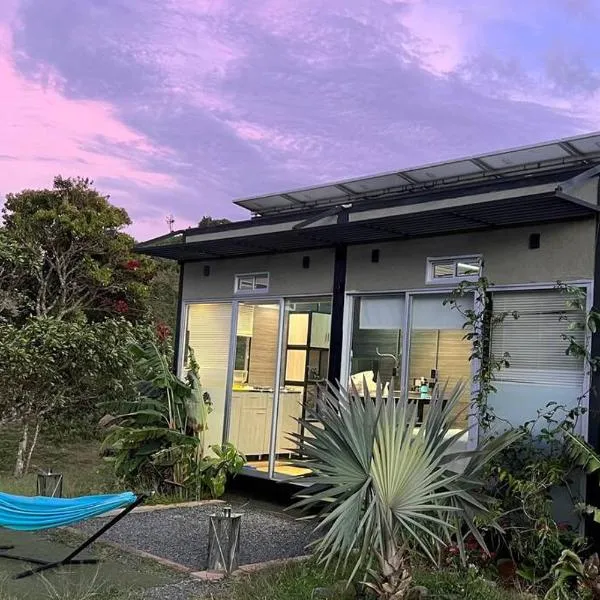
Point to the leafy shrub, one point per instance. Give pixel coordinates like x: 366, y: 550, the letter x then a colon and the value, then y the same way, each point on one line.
x: 522, y: 479
x: 158, y: 440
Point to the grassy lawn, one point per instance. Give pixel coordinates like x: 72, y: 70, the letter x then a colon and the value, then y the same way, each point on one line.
x: 296, y: 582
x: 85, y: 472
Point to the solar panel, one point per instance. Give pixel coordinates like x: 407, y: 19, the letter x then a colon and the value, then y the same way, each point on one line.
x: 573, y: 150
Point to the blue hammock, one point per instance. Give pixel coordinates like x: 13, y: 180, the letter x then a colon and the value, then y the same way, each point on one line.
x: 25, y: 513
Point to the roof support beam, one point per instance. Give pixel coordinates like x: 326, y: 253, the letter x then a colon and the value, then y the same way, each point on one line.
x: 568, y: 147
x: 316, y: 218
x: 578, y: 201
x: 578, y: 180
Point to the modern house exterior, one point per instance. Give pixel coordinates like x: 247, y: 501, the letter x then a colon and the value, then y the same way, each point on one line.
x: 348, y: 279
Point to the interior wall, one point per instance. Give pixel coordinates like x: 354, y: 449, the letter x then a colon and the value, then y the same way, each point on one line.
x: 566, y: 253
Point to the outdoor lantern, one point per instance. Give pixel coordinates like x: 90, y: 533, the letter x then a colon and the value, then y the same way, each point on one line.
x: 224, y: 540
x: 49, y: 484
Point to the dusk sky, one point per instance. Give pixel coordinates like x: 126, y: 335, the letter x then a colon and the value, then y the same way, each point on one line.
x: 180, y: 106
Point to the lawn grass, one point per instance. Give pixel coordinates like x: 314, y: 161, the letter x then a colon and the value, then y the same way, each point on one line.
x: 296, y: 581
x: 84, y: 470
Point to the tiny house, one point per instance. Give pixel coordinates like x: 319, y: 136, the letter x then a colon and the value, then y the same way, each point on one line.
x: 346, y: 281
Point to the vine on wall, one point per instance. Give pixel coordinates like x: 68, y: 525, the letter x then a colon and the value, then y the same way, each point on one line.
x: 479, y: 323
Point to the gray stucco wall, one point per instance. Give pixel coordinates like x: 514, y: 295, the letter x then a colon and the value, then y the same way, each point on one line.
x: 287, y: 277
x: 566, y: 252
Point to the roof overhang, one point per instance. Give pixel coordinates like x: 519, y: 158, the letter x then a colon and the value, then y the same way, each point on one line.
x: 535, y: 204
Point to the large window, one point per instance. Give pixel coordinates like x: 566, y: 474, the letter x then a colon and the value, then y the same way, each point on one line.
x: 539, y: 369
x: 306, y: 337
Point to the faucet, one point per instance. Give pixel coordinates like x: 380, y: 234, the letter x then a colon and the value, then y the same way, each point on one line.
x: 395, y: 358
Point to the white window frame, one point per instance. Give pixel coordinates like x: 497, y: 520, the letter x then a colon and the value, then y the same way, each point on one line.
x: 434, y: 260
x: 254, y: 276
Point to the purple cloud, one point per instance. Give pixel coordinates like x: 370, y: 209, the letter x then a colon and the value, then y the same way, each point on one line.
x: 179, y: 106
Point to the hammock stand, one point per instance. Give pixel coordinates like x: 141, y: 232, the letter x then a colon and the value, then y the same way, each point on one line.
x: 71, y: 558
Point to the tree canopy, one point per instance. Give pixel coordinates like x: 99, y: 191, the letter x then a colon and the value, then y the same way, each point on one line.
x: 64, y: 252
x: 206, y: 222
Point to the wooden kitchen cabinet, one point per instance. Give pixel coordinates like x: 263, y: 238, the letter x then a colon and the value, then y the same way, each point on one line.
x: 320, y: 330
x: 251, y: 418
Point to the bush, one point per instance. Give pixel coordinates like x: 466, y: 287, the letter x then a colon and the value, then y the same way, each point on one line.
x: 158, y: 440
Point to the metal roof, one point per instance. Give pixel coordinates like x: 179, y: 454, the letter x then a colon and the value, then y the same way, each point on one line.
x: 544, y: 207
x: 506, y: 164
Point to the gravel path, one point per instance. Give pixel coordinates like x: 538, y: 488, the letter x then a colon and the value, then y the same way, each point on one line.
x: 181, y: 534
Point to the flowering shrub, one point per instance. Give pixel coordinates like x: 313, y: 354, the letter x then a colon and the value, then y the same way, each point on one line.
x: 121, y: 306
x: 133, y: 264
x: 163, y: 332
x: 476, y: 557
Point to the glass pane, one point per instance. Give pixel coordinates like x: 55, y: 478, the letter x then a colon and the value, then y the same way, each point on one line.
x: 377, y: 342
x: 438, y: 353
x: 468, y: 267
x: 443, y: 269
x: 245, y: 283
x: 242, y: 356
x: 208, y: 332
x: 252, y: 394
x: 261, y: 282
x: 539, y: 370
x: 295, y: 365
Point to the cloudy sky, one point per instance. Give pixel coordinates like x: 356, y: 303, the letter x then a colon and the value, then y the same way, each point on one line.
x: 180, y: 106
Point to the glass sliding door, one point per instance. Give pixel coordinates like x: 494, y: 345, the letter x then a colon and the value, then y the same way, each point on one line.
x: 305, y: 360
x: 207, y: 337
x: 253, y: 386
x: 438, y: 354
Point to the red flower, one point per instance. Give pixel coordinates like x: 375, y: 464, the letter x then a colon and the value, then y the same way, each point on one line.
x: 453, y: 549
x: 121, y: 306
x: 162, y: 331
x: 471, y: 543
x: 132, y: 264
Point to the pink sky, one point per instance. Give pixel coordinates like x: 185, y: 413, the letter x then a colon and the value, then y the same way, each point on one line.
x: 179, y: 106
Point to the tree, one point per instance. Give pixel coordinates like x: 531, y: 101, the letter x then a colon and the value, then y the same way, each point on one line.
x: 163, y: 293
x: 84, y: 262
x: 208, y: 222
x: 16, y: 262
x: 50, y: 365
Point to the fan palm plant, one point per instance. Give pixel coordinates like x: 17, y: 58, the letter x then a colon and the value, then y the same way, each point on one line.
x: 384, y: 486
